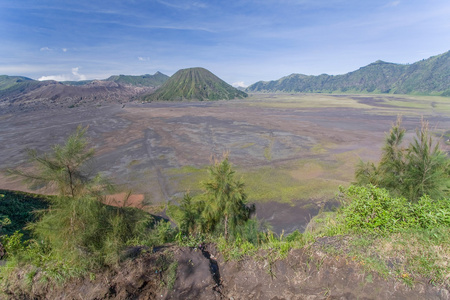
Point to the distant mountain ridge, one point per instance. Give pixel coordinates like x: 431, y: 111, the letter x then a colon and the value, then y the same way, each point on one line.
x: 22, y: 93
x: 195, y: 84
x: 147, y: 80
x: 426, y: 77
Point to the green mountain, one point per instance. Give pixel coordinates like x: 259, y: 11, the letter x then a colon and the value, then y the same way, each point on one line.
x: 9, y: 81
x: 195, y: 84
x: 14, y: 85
x: 427, y: 77
x: 144, y: 80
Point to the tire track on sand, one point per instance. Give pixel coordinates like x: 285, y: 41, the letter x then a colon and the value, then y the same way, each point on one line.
x: 151, y: 136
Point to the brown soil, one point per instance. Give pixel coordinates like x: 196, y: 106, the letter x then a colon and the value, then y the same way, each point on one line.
x: 305, y: 273
x: 125, y: 200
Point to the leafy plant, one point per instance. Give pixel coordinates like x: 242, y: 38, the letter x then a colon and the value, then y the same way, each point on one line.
x: 225, y: 198
x: 63, y: 168
x: 77, y: 233
x: 420, y: 169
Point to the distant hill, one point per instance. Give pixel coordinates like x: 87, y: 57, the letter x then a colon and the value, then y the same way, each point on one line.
x: 195, y: 84
x: 144, y: 80
x: 426, y: 77
x: 11, y: 86
x: 22, y: 93
x: 8, y: 81
x: 36, y: 95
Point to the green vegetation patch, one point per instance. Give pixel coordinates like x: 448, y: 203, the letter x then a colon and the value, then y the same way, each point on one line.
x: 300, y: 179
x: 187, y: 178
x: 19, y: 208
x: 282, y: 184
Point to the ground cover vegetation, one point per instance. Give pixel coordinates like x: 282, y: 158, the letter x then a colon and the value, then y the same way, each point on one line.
x: 396, y: 231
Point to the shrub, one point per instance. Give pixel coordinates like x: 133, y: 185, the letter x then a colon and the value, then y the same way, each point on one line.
x: 372, y: 209
x: 420, y: 169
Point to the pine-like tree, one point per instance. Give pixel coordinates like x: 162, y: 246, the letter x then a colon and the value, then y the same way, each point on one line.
x: 226, y: 199
x: 428, y: 167
x: 64, y: 168
x: 420, y: 169
x: 391, y: 170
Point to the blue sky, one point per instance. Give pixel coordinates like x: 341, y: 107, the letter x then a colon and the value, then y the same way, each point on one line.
x: 240, y: 41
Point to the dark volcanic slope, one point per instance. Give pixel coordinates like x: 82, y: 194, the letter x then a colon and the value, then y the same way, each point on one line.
x: 34, y: 95
x: 195, y: 84
x: 22, y: 93
x: 430, y: 76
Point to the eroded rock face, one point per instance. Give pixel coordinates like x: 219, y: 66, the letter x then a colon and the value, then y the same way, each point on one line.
x: 303, y: 274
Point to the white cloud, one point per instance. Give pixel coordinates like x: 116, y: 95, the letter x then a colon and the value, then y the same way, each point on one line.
x: 183, y: 5
x: 45, y: 49
x: 75, y: 76
x: 140, y: 58
x: 64, y: 49
x: 239, y: 84
x: 55, y: 77
x: 392, y: 4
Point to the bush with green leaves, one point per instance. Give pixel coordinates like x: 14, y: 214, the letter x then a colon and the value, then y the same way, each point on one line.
x: 374, y: 210
x: 420, y: 169
x: 17, y: 209
x: 78, y: 231
x: 222, y: 206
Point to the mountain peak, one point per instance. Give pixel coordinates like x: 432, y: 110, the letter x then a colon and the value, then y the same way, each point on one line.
x: 195, y: 84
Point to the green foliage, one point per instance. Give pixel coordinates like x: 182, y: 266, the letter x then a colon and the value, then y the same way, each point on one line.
x: 77, y: 233
x: 430, y: 213
x: 420, y: 169
x: 366, y: 173
x: 191, y: 240
x: 191, y: 215
x: 222, y: 206
x: 64, y: 168
x: 390, y: 235
x: 225, y: 199
x: 162, y: 233
x: 373, y: 210
x: 13, y: 244
x: 427, y: 167
x: 83, y: 229
x: 18, y: 208
x: 391, y: 169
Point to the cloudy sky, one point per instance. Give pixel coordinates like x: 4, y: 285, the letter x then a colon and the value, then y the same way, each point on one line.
x: 240, y: 41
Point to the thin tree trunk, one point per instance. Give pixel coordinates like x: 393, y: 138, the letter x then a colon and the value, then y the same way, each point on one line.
x: 71, y: 181
x: 226, y: 227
